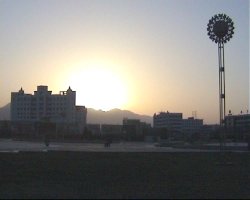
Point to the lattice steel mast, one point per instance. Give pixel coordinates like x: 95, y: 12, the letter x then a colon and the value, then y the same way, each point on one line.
x: 220, y: 30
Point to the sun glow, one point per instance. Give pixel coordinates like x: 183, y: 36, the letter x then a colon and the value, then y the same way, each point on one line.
x: 98, y: 87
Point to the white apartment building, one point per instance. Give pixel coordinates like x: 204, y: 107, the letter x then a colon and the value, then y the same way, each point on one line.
x: 43, y: 105
x: 171, y: 121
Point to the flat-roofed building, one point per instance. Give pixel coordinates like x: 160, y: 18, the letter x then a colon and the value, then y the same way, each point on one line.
x: 111, y: 129
x: 192, y: 125
x: 134, y: 129
x: 238, y: 126
x: 95, y: 129
x: 171, y: 121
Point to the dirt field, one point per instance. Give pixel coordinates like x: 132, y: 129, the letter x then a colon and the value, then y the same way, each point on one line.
x: 124, y: 175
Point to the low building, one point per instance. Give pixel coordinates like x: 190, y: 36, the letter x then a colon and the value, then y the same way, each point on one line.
x: 111, y: 129
x: 134, y: 129
x: 238, y: 126
x: 81, y: 117
x: 94, y: 129
x: 191, y: 125
x: 5, y: 128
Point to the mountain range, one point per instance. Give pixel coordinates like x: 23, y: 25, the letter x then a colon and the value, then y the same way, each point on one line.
x: 114, y: 116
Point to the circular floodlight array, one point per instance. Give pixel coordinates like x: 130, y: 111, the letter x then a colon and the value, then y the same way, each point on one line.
x: 220, y: 28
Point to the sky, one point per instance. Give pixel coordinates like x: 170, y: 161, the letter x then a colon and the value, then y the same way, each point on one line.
x: 145, y: 56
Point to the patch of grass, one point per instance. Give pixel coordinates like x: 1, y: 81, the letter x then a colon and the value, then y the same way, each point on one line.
x: 124, y: 175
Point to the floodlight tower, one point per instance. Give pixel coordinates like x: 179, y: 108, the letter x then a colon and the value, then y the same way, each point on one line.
x: 220, y: 30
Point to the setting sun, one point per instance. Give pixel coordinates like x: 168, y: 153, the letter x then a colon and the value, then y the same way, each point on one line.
x: 98, y: 87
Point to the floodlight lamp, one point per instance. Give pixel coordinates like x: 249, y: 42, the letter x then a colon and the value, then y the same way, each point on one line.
x: 220, y: 28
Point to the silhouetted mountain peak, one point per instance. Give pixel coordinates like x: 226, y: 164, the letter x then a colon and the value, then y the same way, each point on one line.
x: 114, y: 116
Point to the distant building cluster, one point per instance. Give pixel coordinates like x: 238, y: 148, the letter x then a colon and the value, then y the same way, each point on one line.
x: 131, y: 129
x: 237, y: 127
x: 174, y: 123
x: 41, y: 113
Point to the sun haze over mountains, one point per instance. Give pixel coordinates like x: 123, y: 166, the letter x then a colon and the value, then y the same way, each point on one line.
x: 114, y: 116
x: 142, y: 55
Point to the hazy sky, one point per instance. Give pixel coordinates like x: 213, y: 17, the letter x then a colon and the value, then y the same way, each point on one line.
x: 141, y: 55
